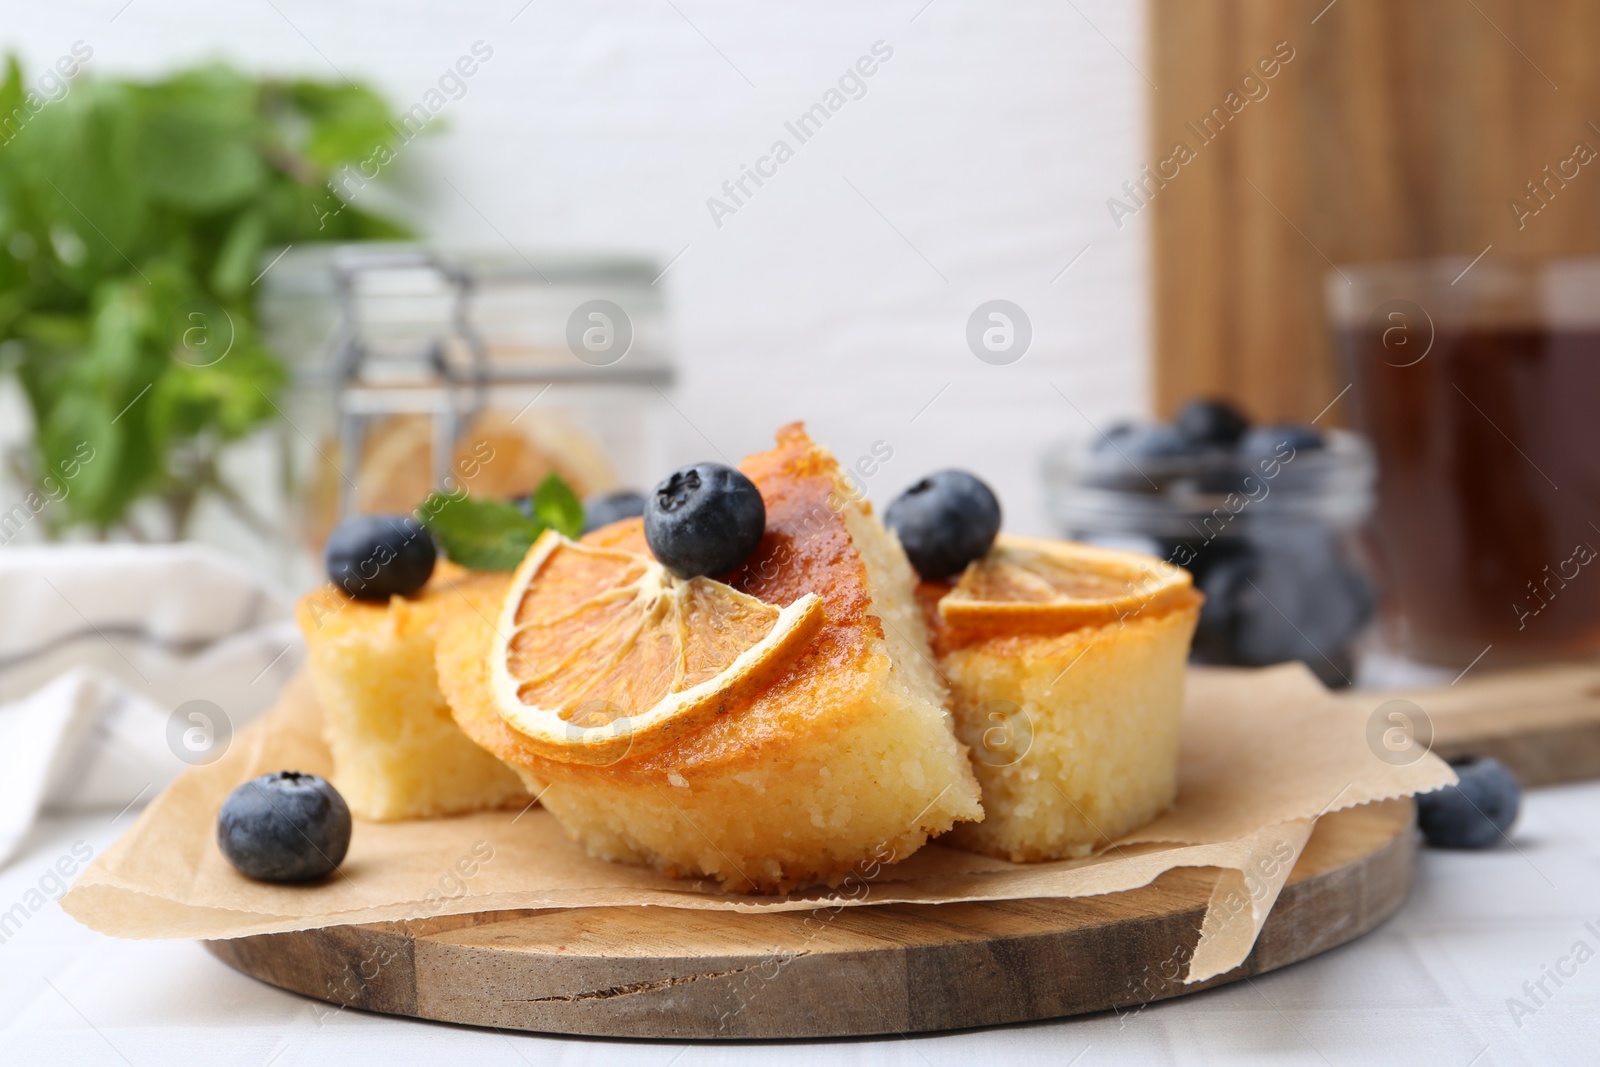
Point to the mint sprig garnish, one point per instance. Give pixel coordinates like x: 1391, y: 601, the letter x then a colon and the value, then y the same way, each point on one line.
x: 494, y: 535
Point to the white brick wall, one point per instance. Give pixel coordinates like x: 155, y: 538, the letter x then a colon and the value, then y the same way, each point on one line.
x: 990, y: 141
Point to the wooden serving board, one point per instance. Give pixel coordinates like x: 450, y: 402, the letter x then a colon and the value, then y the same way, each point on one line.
x: 897, y: 968
x: 901, y: 968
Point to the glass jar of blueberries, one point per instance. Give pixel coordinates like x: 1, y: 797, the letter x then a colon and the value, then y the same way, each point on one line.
x: 1267, y: 519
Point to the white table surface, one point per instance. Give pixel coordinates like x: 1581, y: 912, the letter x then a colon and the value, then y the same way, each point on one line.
x: 1429, y: 986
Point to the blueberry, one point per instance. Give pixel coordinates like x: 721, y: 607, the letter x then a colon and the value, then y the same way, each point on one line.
x: 284, y: 827
x: 374, y: 557
x: 1112, y: 436
x: 1296, y: 602
x: 1358, y: 594
x: 1210, y: 422
x: 704, y: 519
x: 607, y: 508
x: 1157, y: 441
x: 1474, y: 813
x: 1222, y: 580
x: 944, y: 522
x: 1284, y: 440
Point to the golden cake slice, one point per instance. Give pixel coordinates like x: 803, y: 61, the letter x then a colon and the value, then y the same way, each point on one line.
x: 1066, y: 666
x: 397, y: 753
x: 845, y: 755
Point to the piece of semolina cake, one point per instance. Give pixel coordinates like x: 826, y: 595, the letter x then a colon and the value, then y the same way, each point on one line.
x: 397, y: 753
x: 846, y: 759
x: 1074, y: 735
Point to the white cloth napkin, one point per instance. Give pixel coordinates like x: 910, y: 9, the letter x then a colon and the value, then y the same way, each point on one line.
x: 122, y: 665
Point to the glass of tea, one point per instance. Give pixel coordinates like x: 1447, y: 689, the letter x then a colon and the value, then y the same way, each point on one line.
x: 1478, y: 384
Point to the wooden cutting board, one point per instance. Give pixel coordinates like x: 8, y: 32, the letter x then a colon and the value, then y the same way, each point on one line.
x: 892, y: 969
x: 666, y: 973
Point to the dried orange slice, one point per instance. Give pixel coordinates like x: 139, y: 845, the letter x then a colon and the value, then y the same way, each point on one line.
x: 1054, y: 586
x: 601, y: 652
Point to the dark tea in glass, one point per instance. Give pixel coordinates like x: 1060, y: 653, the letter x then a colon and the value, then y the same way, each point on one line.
x: 1479, y: 387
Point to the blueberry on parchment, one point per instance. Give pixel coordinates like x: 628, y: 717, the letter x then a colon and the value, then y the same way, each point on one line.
x: 284, y: 827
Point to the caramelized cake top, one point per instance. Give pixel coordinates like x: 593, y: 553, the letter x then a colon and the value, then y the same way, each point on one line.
x: 806, y: 549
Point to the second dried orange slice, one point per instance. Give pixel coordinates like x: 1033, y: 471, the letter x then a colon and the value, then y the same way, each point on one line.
x: 600, y: 652
x: 1054, y: 586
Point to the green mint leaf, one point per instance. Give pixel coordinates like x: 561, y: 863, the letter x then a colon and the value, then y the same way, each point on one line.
x: 558, y: 507
x: 494, y: 535
x: 482, y: 535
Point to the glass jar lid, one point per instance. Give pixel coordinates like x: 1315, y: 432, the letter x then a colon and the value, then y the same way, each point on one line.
x: 1109, y: 487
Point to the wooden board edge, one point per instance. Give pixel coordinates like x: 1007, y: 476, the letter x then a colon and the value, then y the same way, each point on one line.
x: 377, y: 968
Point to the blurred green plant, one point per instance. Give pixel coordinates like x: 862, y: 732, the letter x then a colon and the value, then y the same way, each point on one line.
x: 134, y: 216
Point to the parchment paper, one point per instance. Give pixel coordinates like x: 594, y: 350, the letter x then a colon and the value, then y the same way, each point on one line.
x: 1264, y: 753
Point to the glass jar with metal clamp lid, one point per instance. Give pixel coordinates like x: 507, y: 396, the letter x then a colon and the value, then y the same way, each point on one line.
x: 416, y: 368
